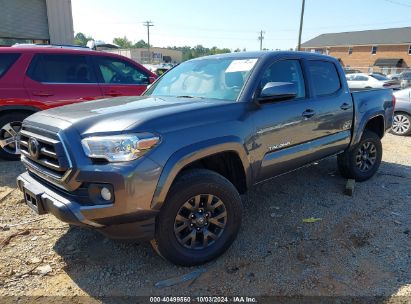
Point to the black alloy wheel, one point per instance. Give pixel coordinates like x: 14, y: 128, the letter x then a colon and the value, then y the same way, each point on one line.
x: 361, y: 161
x: 200, y: 221
x: 366, y: 156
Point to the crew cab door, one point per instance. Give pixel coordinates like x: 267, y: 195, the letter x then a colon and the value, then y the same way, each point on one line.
x: 292, y: 133
x: 60, y: 79
x: 281, y: 127
x: 332, y: 105
x: 119, y: 77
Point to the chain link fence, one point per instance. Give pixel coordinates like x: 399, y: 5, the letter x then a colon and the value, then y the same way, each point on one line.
x: 376, y: 69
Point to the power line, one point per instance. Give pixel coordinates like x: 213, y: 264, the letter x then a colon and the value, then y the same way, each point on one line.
x: 261, y: 37
x: 148, y: 24
x: 242, y: 31
x: 223, y: 37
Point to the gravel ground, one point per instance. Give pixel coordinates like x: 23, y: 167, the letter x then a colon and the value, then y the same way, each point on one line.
x: 360, y: 247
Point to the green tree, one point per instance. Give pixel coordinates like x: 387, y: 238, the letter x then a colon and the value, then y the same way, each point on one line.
x: 81, y: 39
x: 140, y: 44
x: 123, y: 43
x: 198, y: 51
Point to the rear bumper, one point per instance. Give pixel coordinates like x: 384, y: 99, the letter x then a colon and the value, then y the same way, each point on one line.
x: 42, y: 200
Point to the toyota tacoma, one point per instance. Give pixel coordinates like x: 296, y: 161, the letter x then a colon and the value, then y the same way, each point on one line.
x: 169, y: 166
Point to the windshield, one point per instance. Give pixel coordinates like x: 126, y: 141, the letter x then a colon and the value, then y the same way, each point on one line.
x: 379, y: 77
x: 219, y: 78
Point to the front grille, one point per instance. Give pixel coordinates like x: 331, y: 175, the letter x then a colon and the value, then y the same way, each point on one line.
x: 43, y: 152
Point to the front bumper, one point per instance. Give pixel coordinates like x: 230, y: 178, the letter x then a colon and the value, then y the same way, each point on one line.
x: 43, y: 199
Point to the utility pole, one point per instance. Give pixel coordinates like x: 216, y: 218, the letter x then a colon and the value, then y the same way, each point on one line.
x: 301, y: 26
x: 261, y: 37
x: 148, y: 24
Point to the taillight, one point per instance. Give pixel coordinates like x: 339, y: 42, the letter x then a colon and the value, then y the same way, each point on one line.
x: 394, y: 101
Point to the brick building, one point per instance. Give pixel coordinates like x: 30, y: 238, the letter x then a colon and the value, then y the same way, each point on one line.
x: 386, y: 50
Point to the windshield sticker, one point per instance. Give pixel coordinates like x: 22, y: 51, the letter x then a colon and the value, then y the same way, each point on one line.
x: 243, y: 65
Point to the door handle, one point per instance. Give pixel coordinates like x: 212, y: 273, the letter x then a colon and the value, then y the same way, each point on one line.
x: 345, y: 106
x: 42, y: 93
x: 308, y: 113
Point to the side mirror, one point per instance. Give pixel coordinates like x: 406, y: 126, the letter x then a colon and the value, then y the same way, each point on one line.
x: 273, y: 91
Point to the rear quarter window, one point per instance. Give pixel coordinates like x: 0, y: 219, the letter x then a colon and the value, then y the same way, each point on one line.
x: 6, y: 61
x: 324, y: 77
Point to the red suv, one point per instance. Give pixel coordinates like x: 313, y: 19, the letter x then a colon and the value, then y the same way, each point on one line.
x: 35, y: 78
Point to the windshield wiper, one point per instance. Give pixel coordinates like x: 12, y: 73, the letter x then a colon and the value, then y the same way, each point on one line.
x: 189, y: 96
x: 185, y: 96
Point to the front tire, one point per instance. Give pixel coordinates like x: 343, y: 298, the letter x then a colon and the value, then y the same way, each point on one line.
x: 362, y: 161
x: 10, y: 125
x: 401, y: 124
x: 199, y: 220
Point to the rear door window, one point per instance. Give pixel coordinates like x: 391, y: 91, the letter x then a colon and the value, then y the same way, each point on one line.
x: 6, y: 61
x: 116, y: 71
x: 61, y: 68
x: 324, y: 77
x: 379, y: 77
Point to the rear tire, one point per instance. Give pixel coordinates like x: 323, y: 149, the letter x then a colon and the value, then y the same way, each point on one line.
x: 10, y: 125
x: 362, y: 161
x: 401, y: 124
x: 199, y: 220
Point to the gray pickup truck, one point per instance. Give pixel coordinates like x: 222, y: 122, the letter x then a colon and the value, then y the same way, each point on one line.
x: 170, y: 166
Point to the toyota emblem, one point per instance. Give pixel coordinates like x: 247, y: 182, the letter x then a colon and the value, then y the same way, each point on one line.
x: 34, y: 148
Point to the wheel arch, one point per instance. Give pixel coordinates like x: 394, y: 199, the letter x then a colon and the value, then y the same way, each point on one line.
x: 13, y: 109
x: 402, y: 112
x: 192, y: 156
x: 375, y: 123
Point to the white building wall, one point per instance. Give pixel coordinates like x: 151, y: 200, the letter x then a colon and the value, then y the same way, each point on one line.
x: 157, y: 54
x: 60, y: 21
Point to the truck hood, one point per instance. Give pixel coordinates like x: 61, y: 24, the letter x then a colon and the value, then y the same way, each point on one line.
x: 118, y: 114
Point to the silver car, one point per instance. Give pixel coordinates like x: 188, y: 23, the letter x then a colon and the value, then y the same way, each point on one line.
x: 405, y: 78
x: 402, y: 116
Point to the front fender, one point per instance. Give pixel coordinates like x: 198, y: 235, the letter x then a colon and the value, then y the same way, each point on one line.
x: 191, y: 153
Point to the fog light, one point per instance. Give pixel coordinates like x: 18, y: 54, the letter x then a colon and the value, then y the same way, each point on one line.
x: 105, y: 194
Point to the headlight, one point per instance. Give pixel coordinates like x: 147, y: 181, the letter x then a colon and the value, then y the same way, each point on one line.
x: 119, y: 148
